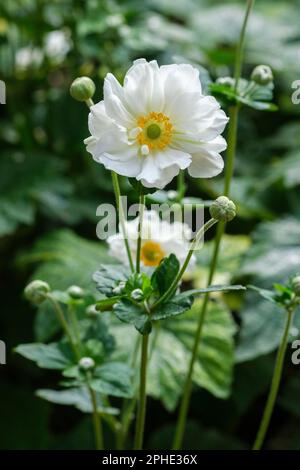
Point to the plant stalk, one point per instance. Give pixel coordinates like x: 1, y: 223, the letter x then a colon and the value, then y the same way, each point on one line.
x: 141, y: 416
x: 140, y: 230
x: 117, y: 192
x: 231, y: 151
x: 276, y: 379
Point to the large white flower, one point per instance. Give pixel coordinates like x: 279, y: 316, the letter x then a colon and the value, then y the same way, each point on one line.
x: 157, y: 124
x: 159, y: 239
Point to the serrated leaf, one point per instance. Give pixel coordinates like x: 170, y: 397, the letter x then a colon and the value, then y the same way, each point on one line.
x: 177, y: 305
x: 165, y: 273
x: 131, y: 313
x: 109, y: 276
x: 78, y: 397
x: 113, y: 378
x: 48, y: 356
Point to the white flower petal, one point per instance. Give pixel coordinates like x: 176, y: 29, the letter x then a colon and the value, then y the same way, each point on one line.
x: 206, y: 164
x: 178, y: 79
x: 115, y: 103
x: 143, y: 89
x: 170, y: 156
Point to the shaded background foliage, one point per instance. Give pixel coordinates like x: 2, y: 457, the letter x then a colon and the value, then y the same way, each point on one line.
x: 50, y: 189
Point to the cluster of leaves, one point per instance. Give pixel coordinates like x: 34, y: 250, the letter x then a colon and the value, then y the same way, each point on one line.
x: 92, y: 338
x: 143, y: 311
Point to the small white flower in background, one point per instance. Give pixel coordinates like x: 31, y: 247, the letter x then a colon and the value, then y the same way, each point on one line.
x: 157, y: 124
x: 159, y: 239
x: 57, y: 44
x: 27, y: 57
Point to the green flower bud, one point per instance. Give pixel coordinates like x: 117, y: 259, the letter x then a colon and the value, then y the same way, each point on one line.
x: 296, y: 285
x: 91, y: 311
x: 37, y: 291
x: 82, y: 89
x: 262, y: 75
x: 86, y: 363
x: 118, y: 290
x: 227, y: 81
x: 223, y: 209
x: 137, y: 294
x: 75, y: 292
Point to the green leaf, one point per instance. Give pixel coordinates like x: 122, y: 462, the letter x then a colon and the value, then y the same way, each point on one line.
x: 196, y: 292
x: 47, y: 356
x: 109, y: 276
x: 165, y: 273
x: 113, y: 378
x: 65, y: 259
x: 131, y: 313
x: 171, y: 345
x: 78, y: 397
x: 262, y: 328
x: 177, y: 305
x: 265, y: 293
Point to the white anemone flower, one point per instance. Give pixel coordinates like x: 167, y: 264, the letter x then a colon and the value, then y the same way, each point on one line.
x: 159, y: 239
x: 156, y: 124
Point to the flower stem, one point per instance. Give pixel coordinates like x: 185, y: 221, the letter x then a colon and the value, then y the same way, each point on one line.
x: 64, y: 324
x: 141, y: 416
x: 231, y: 151
x: 181, y: 187
x: 117, y: 191
x: 274, y: 384
x: 174, y: 285
x: 97, y: 421
x: 140, y: 229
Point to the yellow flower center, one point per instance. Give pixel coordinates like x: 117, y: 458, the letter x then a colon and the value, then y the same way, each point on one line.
x: 151, y: 253
x: 156, y: 131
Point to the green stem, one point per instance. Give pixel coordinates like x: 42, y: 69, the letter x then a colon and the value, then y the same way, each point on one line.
x: 230, y: 158
x: 128, y: 405
x: 274, y: 384
x: 117, y: 191
x: 181, y: 187
x: 64, y: 324
x: 174, y: 285
x: 140, y: 229
x: 141, y: 416
x: 97, y: 421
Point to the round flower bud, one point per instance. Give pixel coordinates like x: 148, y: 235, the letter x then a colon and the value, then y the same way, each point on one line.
x: 262, y: 75
x: 296, y: 285
x: 75, y: 292
x: 86, y: 363
x: 118, y: 290
x: 137, y: 294
x: 82, y: 89
x: 227, y: 81
x: 36, y: 291
x: 172, y: 194
x: 91, y: 311
x: 223, y: 209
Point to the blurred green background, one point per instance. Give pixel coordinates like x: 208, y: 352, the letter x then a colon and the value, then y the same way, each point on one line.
x: 50, y: 189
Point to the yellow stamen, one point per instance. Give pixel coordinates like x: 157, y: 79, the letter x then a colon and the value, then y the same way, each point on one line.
x: 156, y: 131
x: 151, y: 253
